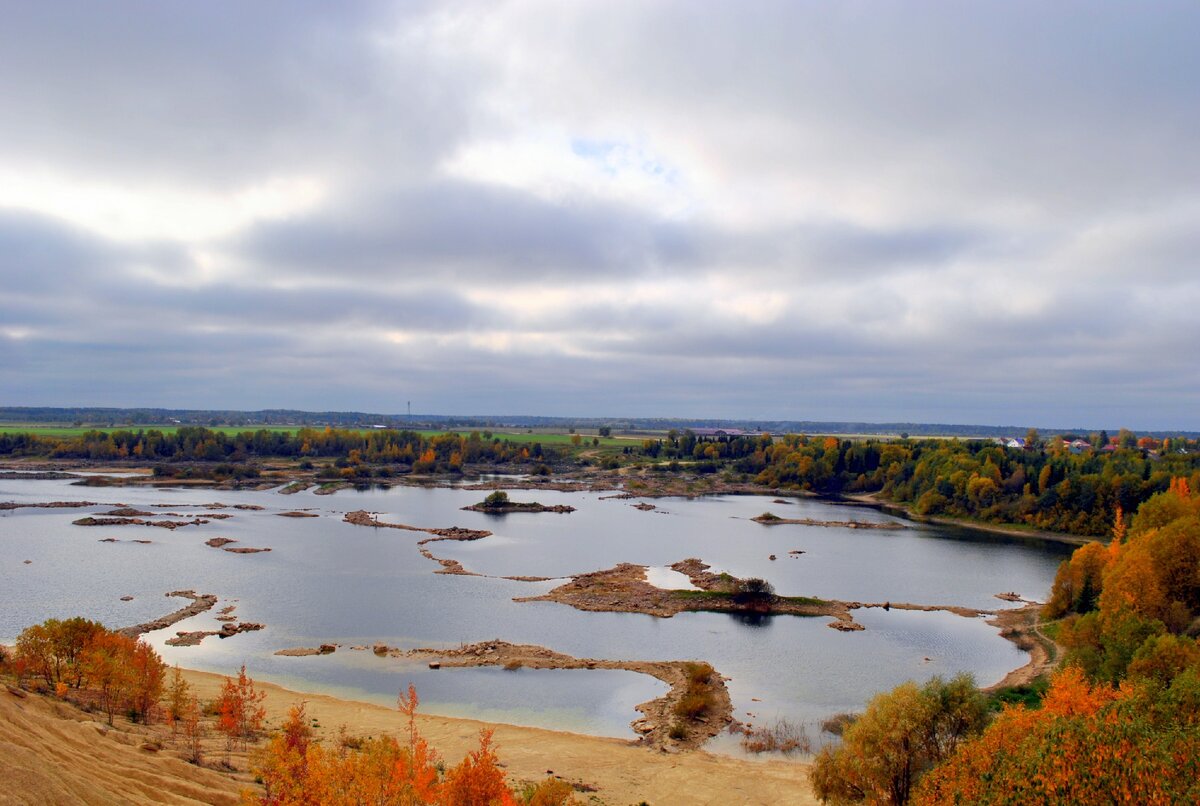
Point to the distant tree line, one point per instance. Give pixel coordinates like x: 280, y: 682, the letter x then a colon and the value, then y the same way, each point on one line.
x: 149, y: 417
x: 352, y: 449
x: 1047, y: 487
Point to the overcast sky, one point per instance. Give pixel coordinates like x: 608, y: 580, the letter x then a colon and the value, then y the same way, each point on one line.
x: 944, y: 211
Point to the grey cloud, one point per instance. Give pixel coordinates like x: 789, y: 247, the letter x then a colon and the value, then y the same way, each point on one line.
x: 220, y: 93
x: 457, y: 231
x: 956, y: 144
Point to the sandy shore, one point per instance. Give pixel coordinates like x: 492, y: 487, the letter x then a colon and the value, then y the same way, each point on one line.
x: 620, y: 772
x: 53, y: 753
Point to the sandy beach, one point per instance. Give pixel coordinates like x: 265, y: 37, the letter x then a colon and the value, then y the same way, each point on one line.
x: 53, y: 753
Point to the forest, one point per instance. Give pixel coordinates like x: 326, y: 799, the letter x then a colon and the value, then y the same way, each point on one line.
x: 421, y: 453
x: 1047, y: 485
x: 1118, y: 723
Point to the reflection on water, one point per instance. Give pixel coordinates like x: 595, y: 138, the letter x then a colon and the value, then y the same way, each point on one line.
x: 752, y: 619
x: 328, y: 581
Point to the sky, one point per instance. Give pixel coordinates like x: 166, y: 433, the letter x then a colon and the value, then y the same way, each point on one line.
x: 961, y: 212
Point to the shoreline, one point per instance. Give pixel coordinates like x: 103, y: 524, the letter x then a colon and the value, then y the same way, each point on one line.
x: 579, y: 480
x: 617, y: 771
x: 628, y: 591
x: 53, y: 752
x: 892, y: 508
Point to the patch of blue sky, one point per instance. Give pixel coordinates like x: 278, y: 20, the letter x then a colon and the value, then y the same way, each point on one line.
x: 598, y: 151
x: 614, y: 156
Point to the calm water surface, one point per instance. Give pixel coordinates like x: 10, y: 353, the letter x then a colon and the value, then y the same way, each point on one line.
x: 328, y: 581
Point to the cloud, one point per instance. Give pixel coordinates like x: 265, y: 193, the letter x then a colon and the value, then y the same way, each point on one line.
x: 891, y: 211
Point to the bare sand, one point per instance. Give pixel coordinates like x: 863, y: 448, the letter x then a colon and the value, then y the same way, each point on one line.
x: 621, y: 772
x: 53, y: 753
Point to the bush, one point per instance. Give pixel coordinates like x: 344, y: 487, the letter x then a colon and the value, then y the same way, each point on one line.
x: 838, y: 723
x: 753, y: 591
x: 496, y: 500
x: 698, y: 697
x: 692, y: 705
x: 698, y: 674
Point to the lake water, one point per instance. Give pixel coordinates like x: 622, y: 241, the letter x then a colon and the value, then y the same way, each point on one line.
x: 326, y: 581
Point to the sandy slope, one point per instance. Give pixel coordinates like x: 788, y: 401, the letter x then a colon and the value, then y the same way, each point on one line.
x: 48, y: 756
x: 623, y: 774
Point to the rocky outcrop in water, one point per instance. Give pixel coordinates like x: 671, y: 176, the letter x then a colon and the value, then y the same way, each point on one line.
x: 200, y: 603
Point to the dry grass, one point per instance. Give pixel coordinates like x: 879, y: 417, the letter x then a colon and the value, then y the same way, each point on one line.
x: 699, y: 697
x: 838, y: 723
x: 782, y: 737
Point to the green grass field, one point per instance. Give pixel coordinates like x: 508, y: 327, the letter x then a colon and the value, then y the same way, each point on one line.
x: 512, y: 436
x: 74, y: 431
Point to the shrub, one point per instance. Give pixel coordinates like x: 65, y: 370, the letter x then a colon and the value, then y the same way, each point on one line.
x: 838, y: 723
x: 753, y: 591
x: 496, y: 500
x: 698, y: 673
x: 692, y: 705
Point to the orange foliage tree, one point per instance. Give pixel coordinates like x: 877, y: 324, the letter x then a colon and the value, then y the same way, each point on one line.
x: 107, y: 666
x: 76, y: 654
x: 240, y: 712
x: 296, y: 771
x: 1088, y: 744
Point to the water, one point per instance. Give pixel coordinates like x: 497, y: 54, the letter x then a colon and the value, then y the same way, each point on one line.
x: 326, y: 581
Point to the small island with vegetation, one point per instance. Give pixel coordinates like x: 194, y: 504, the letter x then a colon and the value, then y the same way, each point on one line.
x: 771, y: 519
x: 498, y: 503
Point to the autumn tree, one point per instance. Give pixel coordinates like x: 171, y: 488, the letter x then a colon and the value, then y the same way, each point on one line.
x: 1079, y: 581
x: 53, y: 649
x: 147, y: 672
x: 193, y: 729
x: 283, y: 766
x: 296, y: 771
x: 478, y: 779
x: 106, y: 662
x: 178, y: 697
x: 1090, y: 743
x: 240, y: 712
x: 901, y: 735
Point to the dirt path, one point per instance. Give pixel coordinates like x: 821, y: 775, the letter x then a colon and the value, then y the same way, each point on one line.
x: 1022, y: 627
